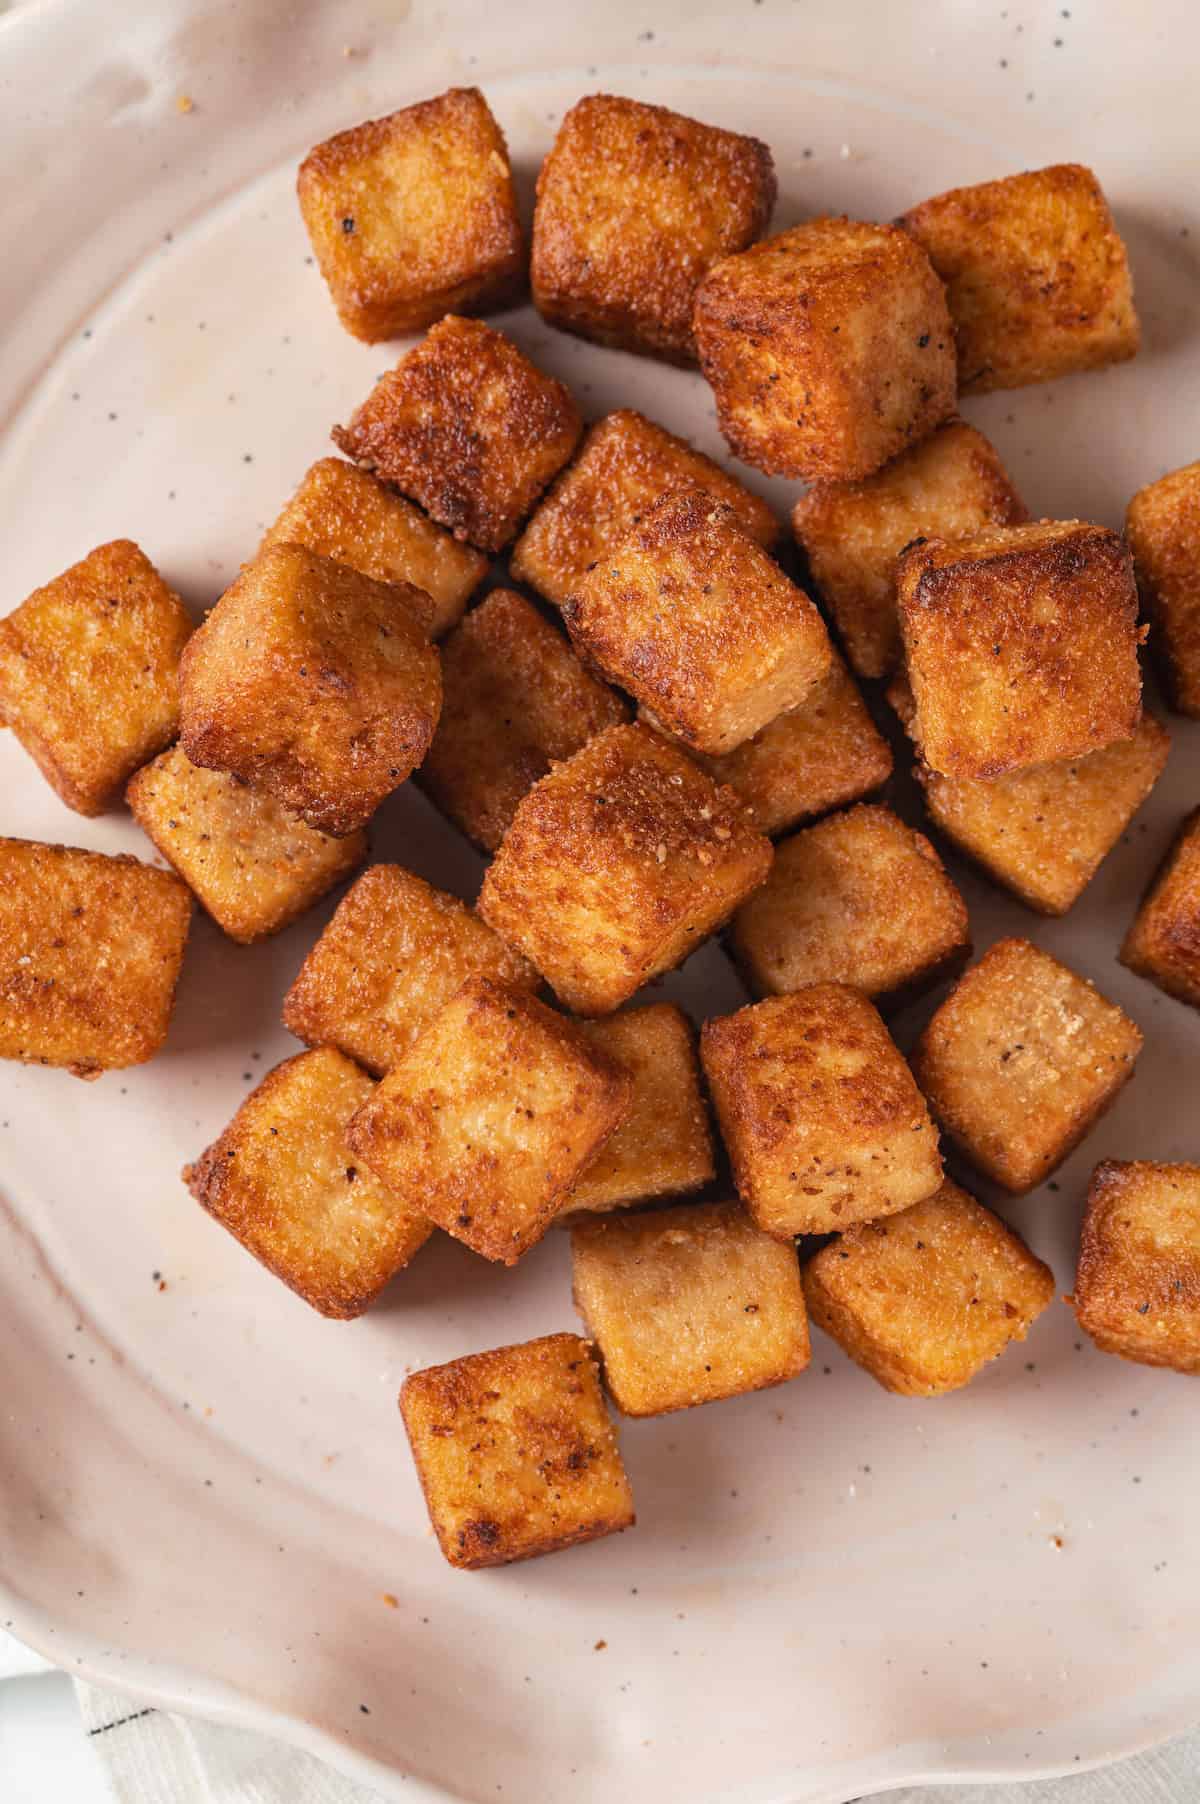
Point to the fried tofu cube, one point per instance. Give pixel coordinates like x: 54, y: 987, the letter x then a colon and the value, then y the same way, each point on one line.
x: 664, y: 1147
x: 516, y: 700
x: 625, y: 465
x: 283, y: 1179
x: 618, y: 864
x: 1021, y: 645
x: 253, y: 866
x: 389, y: 961
x: 950, y: 485
x: 828, y: 349
x: 924, y: 1300
x: 1036, y: 275
x: 339, y: 511
x: 693, y: 617
x: 467, y: 426
x: 634, y: 206
x: 90, y: 951
x: 1021, y: 1061
x: 414, y: 216
x: 818, y: 756
x: 313, y: 683
x: 516, y: 1452
x: 821, y: 1117
x: 89, y: 673
x: 1163, y: 942
x: 1162, y: 524
x: 688, y: 1305
x: 860, y: 899
x: 1137, y: 1290
x: 491, y: 1116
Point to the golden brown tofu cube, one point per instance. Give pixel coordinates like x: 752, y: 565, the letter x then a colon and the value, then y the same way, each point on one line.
x: 90, y: 950
x: 341, y: 512
x: 491, y: 1116
x: 516, y: 700
x: 625, y: 465
x: 828, y: 349
x: 816, y: 757
x: 926, y: 1298
x: 283, y: 1179
x: 1021, y: 1061
x: 1021, y: 645
x: 515, y: 1452
x: 860, y: 899
x: 821, y: 1117
x: 618, y: 864
x: 852, y: 532
x: 1163, y: 942
x: 1162, y: 524
x: 634, y: 206
x: 253, y: 866
x: 1137, y: 1290
x: 467, y: 426
x: 688, y: 1305
x: 414, y: 216
x: 664, y: 1146
x: 389, y: 961
x: 313, y: 683
x: 89, y: 673
x: 1036, y: 275
x: 693, y: 617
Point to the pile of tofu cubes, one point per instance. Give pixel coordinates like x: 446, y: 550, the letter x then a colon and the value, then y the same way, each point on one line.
x: 691, y: 756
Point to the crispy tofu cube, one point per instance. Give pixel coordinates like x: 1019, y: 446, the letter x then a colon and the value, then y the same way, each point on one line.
x: 1162, y: 524
x: 491, y: 1116
x: 1036, y: 275
x: 516, y: 700
x: 467, y: 426
x: 90, y: 950
x: 950, y: 485
x: 339, y: 511
x: 389, y: 961
x: 625, y: 465
x: 313, y: 683
x: 634, y: 206
x: 688, y: 1305
x: 860, y: 899
x: 515, y: 1452
x: 1137, y: 1290
x: 821, y: 1117
x: 283, y: 1179
x: 414, y: 216
x: 1163, y: 942
x: 89, y: 673
x: 618, y: 864
x: 693, y: 617
x: 828, y: 349
x: 253, y: 866
x: 926, y: 1298
x: 1021, y: 1061
x: 1021, y: 645
x: 664, y: 1146
x: 1043, y: 833
x: 816, y: 757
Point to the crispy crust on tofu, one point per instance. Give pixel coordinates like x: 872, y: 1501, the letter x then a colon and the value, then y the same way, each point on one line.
x: 1137, y: 1289
x: 89, y: 673
x: 618, y: 864
x: 1163, y: 941
x: 90, y: 952
x: 414, y: 216
x: 515, y: 1452
x: 1162, y: 524
x: 469, y: 427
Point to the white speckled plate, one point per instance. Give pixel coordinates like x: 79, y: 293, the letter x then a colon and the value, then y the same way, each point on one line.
x: 205, y: 1488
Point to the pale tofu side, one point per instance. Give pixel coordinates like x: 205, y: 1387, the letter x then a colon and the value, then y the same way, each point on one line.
x: 1137, y: 1289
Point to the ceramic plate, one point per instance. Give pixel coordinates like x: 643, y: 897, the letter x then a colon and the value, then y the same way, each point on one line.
x: 206, y: 1491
